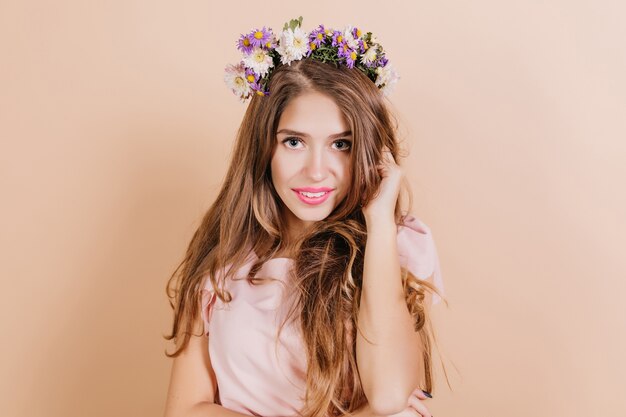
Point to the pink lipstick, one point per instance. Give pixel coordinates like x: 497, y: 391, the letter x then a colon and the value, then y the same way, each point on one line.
x: 312, y: 195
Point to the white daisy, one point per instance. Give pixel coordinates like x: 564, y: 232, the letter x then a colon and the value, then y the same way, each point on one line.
x: 292, y: 45
x: 349, y: 38
x: 370, y: 55
x: 387, y: 77
x: 259, y: 60
x: 235, y: 79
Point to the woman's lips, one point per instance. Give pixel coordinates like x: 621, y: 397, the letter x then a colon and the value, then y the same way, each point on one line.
x: 312, y: 199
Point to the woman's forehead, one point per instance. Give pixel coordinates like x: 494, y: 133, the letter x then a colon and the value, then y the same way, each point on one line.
x: 314, y: 114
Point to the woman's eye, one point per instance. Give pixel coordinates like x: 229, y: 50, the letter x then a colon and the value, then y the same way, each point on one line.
x: 344, y: 144
x: 291, y: 141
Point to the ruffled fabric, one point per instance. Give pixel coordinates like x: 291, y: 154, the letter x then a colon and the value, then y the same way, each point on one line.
x: 418, y: 253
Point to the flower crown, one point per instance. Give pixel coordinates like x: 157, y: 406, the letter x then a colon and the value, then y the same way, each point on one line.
x: 263, y: 51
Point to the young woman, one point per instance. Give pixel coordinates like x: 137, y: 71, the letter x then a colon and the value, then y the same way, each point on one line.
x: 306, y: 289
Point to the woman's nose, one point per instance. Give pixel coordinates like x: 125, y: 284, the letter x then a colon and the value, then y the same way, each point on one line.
x: 316, y: 165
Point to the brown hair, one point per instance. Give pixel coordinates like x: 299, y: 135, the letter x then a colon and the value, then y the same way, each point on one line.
x: 328, y: 266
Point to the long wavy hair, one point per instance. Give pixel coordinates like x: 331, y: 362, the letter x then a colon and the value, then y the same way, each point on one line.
x: 328, y: 267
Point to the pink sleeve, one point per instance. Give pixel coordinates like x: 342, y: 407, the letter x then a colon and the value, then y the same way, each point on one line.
x: 418, y: 253
x: 208, y: 299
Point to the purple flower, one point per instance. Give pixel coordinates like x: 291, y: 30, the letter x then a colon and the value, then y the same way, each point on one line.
x: 363, y: 46
x: 356, y: 32
x: 317, y: 37
x: 261, y: 37
x: 258, y: 89
x: 382, y: 61
x: 350, y: 55
x: 271, y: 43
x: 244, y: 44
x: 338, y: 38
x: 251, y: 76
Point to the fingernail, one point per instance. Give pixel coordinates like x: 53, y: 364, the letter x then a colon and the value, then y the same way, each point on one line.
x: 426, y: 393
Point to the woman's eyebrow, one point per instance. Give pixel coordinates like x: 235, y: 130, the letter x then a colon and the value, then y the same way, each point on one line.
x: 296, y: 133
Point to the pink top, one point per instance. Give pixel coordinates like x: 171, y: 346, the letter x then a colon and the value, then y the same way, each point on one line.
x: 255, y: 376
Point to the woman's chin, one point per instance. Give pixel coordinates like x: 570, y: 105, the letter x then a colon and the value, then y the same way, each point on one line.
x: 311, y: 215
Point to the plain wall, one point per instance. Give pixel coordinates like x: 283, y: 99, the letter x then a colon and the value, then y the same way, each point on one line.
x: 115, y: 128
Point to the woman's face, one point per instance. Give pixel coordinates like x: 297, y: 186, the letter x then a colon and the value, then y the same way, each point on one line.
x: 311, y: 161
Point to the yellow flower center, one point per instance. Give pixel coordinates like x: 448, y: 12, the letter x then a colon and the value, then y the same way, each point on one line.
x: 320, y: 36
x: 259, y: 57
x: 313, y: 46
x: 239, y: 81
x: 339, y: 39
x: 258, y: 34
x: 297, y: 43
x: 365, y: 45
x: 358, y: 33
x: 251, y: 78
x: 246, y: 42
x: 353, y: 55
x: 260, y: 93
x: 268, y: 44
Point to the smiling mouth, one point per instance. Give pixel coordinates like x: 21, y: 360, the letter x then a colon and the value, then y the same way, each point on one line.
x: 313, y: 198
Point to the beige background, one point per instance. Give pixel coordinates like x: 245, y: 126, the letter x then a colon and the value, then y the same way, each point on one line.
x: 115, y: 126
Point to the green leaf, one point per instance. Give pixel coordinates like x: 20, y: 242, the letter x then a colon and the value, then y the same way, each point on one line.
x: 293, y: 24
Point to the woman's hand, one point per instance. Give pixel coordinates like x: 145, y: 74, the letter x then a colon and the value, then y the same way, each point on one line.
x: 383, y: 205
x: 415, y: 407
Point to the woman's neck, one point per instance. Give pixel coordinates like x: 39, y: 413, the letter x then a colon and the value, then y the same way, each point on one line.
x: 288, y: 245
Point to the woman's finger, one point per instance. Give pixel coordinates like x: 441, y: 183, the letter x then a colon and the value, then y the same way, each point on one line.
x: 420, y: 394
x: 419, y: 406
